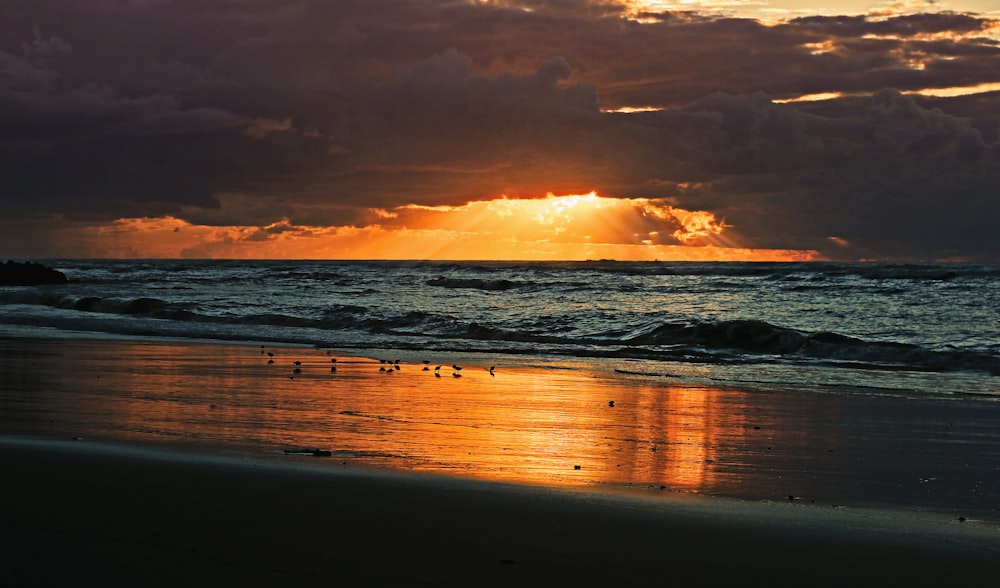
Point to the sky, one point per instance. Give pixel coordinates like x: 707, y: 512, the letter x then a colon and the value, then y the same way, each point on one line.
x: 504, y: 129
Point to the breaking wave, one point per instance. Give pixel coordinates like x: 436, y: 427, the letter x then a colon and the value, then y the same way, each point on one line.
x: 109, y: 305
x: 759, y: 337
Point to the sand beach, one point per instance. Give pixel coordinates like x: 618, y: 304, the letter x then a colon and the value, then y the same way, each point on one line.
x: 106, y: 481
x: 83, y: 514
x: 79, y: 514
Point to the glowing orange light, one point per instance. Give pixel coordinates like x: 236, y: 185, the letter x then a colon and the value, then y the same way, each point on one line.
x: 556, y: 227
x: 526, y: 425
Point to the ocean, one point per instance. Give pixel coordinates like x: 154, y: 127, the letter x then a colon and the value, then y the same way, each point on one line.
x: 906, y: 329
x: 835, y: 384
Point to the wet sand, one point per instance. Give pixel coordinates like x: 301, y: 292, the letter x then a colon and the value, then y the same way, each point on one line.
x: 540, y: 422
x: 82, y: 513
x: 181, y: 478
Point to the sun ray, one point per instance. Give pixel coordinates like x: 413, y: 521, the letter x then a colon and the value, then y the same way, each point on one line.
x: 553, y: 227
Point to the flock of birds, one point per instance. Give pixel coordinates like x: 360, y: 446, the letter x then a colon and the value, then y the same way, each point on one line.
x: 386, y: 366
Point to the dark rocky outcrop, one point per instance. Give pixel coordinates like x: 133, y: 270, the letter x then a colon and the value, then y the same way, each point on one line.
x: 15, y: 273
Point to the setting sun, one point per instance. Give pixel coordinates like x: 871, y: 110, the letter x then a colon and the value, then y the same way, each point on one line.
x: 556, y: 227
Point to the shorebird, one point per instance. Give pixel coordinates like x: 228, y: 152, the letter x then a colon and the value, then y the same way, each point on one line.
x: 457, y: 368
x: 437, y: 368
x: 492, y: 367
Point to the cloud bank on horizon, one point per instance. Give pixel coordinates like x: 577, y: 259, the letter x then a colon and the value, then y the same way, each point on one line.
x: 846, y: 136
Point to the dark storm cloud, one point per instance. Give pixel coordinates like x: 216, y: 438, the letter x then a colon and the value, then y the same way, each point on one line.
x: 240, y: 112
x: 892, y: 175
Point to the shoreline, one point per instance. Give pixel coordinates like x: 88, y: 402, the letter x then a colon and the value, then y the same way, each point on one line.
x: 527, y: 425
x: 120, y: 516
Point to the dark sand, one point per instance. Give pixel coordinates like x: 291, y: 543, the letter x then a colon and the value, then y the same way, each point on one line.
x: 116, y: 513
x: 83, y: 513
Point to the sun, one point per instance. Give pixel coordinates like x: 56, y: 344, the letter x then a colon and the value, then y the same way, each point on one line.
x: 579, y: 227
x: 551, y: 211
x: 568, y: 227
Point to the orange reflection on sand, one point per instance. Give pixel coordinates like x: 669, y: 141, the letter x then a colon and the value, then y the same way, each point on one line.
x: 172, y: 392
x: 682, y: 440
x: 551, y: 425
x: 691, y: 431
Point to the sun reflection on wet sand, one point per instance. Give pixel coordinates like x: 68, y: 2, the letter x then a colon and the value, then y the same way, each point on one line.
x: 553, y: 425
x: 524, y: 424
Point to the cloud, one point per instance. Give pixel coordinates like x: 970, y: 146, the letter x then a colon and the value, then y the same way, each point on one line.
x: 315, y: 113
x: 261, y: 127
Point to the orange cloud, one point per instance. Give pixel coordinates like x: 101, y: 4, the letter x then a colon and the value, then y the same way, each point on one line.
x: 568, y: 227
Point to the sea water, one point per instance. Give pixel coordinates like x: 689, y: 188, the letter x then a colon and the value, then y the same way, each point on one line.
x: 907, y: 329
x: 824, y: 383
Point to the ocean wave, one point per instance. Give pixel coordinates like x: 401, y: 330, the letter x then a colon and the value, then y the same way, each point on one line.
x: 759, y: 337
x: 745, y: 335
x: 338, y: 311
x: 477, y: 283
x: 713, y: 341
x: 599, y: 309
x: 142, y: 305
